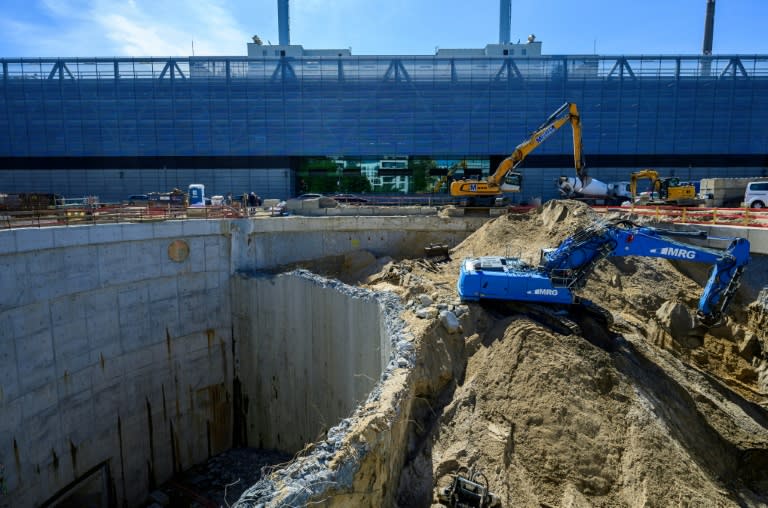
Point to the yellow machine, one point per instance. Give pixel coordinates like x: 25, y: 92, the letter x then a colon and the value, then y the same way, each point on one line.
x: 664, y: 190
x: 486, y: 192
x: 445, y: 177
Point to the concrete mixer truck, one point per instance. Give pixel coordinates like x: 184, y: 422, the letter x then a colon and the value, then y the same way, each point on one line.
x: 594, y: 192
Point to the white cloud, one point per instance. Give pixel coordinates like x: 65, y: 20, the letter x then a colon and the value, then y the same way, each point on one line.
x: 128, y: 28
x: 140, y: 39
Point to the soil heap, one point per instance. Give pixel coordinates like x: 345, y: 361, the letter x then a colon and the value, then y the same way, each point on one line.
x: 554, y: 420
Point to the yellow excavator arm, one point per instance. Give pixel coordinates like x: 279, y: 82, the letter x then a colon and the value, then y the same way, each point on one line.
x: 493, y: 186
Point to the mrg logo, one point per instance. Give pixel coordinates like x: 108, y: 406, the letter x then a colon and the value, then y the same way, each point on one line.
x: 678, y: 252
x: 547, y: 292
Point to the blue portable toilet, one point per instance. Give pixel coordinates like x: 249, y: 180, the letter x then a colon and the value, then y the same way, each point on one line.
x: 196, y: 194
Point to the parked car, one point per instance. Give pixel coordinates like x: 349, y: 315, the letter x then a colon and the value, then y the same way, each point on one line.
x: 756, y: 195
x: 309, y: 196
x: 138, y: 199
x: 350, y: 198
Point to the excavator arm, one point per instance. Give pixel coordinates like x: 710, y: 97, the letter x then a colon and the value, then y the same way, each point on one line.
x: 574, y: 260
x: 494, y: 185
x: 638, y: 175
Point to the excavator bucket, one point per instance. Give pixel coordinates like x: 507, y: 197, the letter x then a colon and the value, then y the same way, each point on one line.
x: 437, y: 252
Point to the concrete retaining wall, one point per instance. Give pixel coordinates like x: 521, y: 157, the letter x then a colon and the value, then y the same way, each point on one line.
x: 263, y: 244
x: 309, y: 351
x: 112, y: 353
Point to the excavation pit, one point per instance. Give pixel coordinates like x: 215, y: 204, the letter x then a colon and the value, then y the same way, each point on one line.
x: 171, y: 370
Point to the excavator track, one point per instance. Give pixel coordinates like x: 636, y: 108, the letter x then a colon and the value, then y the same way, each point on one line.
x: 601, y: 314
x: 555, y: 318
x: 584, y: 319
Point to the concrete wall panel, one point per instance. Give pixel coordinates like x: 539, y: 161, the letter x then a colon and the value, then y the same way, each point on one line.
x: 309, y: 354
x: 89, y: 317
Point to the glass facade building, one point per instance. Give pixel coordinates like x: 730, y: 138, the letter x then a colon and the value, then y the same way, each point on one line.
x: 117, y: 126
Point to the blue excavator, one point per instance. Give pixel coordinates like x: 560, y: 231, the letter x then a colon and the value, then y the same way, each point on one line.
x: 565, y: 269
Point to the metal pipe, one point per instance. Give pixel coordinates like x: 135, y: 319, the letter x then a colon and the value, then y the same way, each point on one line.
x: 709, y: 27
x: 283, y: 23
x: 505, y: 20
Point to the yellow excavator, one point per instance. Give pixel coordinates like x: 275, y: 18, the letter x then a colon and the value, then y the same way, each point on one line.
x: 489, y: 191
x: 446, y: 176
x: 664, y: 190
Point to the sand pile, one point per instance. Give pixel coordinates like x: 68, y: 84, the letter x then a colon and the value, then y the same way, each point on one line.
x: 552, y: 420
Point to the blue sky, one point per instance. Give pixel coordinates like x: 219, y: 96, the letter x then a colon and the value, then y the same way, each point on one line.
x: 87, y: 28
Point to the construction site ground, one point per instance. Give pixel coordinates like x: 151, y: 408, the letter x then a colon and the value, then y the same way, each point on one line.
x: 638, y: 414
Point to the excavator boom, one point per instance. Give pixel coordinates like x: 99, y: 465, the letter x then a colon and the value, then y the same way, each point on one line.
x: 504, y: 179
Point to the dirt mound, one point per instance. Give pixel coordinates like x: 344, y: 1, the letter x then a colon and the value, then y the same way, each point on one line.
x: 552, y: 420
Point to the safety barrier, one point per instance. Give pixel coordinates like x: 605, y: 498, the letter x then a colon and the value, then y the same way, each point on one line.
x: 111, y: 214
x: 743, y: 217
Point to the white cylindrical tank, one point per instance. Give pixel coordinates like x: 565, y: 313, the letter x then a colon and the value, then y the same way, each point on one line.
x: 571, y: 185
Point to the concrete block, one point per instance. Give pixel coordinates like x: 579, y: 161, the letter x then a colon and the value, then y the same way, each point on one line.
x: 196, y: 259
x: 34, y: 239
x: 30, y: 319
x: 106, y: 355
x: 41, y: 434
x: 68, y: 309
x: 102, y: 320
x: 11, y: 422
x: 212, y: 282
x: 76, y: 412
x: 80, y: 270
x: 134, y: 361
x: 216, y: 255
x: 168, y: 229
x: 71, y: 348
x: 76, y: 381
x: 164, y: 315
x: 107, y: 398
x: 162, y: 288
x: 133, y: 304
x: 35, y: 360
x: 137, y: 336
x: 197, y: 227
x: 14, y: 282
x: 8, y: 241
x: 39, y: 400
x: 107, y: 370
x: 9, y: 375
x: 192, y: 284
x: 46, y: 264
x: 192, y: 313
x: 132, y: 232
x: 105, y: 233
x: 71, y: 236
x: 111, y: 264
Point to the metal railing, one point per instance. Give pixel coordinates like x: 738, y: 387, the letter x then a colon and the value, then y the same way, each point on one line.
x: 75, y: 216
x: 413, y: 68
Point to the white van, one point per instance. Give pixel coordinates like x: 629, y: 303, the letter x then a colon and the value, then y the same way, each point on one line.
x: 756, y: 195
